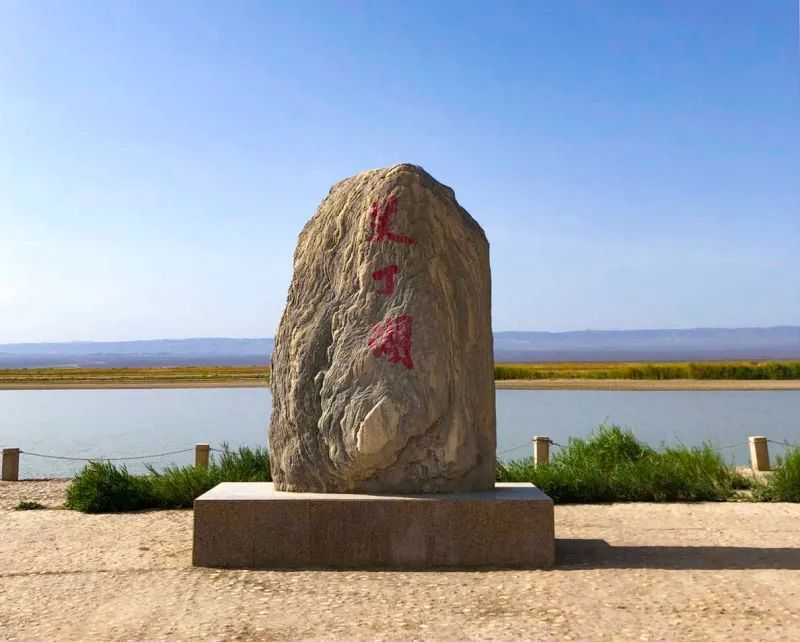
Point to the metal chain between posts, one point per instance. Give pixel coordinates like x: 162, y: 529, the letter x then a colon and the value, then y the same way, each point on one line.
x: 174, y: 452
x: 737, y: 445
x: 741, y: 443
x: 525, y: 445
x: 785, y: 444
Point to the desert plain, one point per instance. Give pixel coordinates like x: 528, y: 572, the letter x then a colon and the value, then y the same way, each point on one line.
x: 624, y: 572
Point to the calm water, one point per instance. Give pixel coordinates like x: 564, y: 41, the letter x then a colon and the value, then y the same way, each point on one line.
x: 119, y: 423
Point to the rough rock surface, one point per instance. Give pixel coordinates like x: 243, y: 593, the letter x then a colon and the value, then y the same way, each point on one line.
x: 382, y: 374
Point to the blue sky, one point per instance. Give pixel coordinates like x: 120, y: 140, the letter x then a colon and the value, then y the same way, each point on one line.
x: 634, y: 164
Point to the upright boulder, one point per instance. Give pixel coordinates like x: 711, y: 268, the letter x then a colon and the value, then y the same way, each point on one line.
x: 382, y: 373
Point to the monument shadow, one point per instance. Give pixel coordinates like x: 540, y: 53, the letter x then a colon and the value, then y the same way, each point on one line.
x: 582, y: 554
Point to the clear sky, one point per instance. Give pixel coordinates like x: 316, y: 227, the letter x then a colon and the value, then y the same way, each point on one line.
x: 634, y: 164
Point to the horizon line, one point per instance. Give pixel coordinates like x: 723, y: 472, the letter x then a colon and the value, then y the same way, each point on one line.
x: 251, y: 338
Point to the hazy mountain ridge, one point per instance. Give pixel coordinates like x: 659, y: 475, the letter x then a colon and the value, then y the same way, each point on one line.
x: 767, y: 335
x: 779, y: 342
x: 700, y: 344
x: 209, y: 345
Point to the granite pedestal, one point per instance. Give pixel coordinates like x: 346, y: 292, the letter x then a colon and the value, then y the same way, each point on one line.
x: 252, y: 525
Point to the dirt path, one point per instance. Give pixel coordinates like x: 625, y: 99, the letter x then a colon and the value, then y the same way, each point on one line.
x: 625, y: 572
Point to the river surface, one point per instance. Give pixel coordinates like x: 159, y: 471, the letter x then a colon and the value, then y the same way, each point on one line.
x: 125, y: 423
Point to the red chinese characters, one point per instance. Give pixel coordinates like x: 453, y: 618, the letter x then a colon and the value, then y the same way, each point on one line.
x: 386, y: 275
x: 392, y: 338
x: 381, y: 216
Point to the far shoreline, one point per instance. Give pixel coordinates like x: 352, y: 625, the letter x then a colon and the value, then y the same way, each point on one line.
x: 621, y: 385
x: 644, y: 385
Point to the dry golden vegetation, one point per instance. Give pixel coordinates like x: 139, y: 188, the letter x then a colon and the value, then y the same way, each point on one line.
x: 167, y: 376
x: 725, y: 370
x: 259, y: 375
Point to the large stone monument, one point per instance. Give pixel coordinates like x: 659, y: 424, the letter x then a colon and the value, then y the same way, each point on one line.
x: 382, y: 436
x: 383, y: 370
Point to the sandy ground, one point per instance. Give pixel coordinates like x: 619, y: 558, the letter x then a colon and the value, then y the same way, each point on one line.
x: 625, y: 572
x: 509, y: 384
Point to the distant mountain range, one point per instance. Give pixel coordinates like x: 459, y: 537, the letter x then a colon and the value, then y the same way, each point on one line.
x: 700, y: 344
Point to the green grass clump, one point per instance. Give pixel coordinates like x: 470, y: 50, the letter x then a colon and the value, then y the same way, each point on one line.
x: 244, y: 464
x: 102, y: 487
x: 612, y: 465
x: 178, y: 486
x: 23, y: 505
x: 783, y: 483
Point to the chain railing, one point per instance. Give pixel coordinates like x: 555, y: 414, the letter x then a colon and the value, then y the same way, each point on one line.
x: 155, y: 456
x: 11, y: 458
x: 759, y: 454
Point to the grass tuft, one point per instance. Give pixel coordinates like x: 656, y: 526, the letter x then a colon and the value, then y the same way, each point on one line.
x: 612, y: 465
x: 23, y: 505
x: 244, y: 464
x: 783, y: 483
x: 178, y: 486
x: 102, y: 487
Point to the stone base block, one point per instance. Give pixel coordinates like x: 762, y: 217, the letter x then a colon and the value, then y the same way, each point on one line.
x: 251, y: 525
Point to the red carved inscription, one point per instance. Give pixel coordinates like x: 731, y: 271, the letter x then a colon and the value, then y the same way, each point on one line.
x: 387, y: 275
x: 392, y: 338
x: 381, y: 216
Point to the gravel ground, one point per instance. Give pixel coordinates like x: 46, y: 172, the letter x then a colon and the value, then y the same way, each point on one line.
x: 625, y: 572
